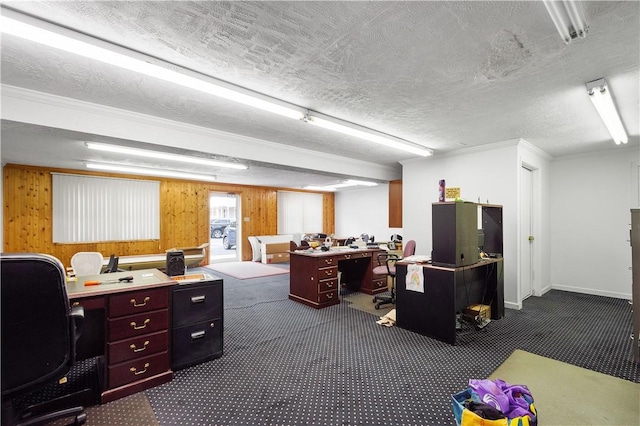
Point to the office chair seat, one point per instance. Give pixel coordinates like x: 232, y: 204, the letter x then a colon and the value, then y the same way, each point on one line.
x: 386, y: 266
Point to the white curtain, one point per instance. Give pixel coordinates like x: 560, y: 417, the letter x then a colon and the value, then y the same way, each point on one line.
x: 90, y: 208
x: 299, y: 212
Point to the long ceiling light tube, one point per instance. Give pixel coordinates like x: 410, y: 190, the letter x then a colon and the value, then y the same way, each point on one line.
x: 568, y: 17
x: 600, y: 95
x: 53, y: 36
x: 149, y: 171
x: 342, y: 127
x: 45, y: 33
x: 163, y: 155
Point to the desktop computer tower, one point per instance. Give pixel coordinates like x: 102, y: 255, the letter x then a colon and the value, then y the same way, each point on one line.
x: 454, y: 234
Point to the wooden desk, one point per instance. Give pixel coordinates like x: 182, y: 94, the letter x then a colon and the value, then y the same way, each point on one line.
x: 314, y: 275
x: 448, y: 291
x: 127, y: 325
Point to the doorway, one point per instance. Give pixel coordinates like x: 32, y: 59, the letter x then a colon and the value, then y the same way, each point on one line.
x: 526, y: 232
x: 223, y: 227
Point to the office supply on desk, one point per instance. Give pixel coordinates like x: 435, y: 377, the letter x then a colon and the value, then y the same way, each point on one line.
x: 39, y: 333
x: 127, y: 279
x: 386, y: 267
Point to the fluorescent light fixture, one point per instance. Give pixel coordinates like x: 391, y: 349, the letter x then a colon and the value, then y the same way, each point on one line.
x: 353, y: 130
x: 320, y: 188
x: 148, y: 171
x: 58, y: 38
x: 345, y: 184
x: 568, y: 17
x: 53, y: 36
x: 162, y: 155
x: 600, y: 95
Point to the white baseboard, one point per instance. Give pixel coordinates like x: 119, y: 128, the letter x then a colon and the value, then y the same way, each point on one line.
x: 595, y: 292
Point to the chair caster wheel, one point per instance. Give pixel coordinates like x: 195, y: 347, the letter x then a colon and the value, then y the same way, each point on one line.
x: 377, y: 306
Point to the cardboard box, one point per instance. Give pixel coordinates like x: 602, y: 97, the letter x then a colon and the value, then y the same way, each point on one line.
x: 482, y: 311
x: 277, y: 257
x: 271, y: 248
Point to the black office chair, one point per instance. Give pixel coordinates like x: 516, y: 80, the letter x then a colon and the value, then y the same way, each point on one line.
x: 112, y: 266
x: 39, y: 333
x: 386, y: 266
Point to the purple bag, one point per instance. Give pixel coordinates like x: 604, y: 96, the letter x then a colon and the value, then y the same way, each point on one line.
x: 512, y: 400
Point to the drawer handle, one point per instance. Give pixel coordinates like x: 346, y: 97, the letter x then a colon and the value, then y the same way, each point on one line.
x: 198, y: 299
x: 328, y: 261
x: 328, y: 273
x: 75, y: 304
x: 134, y: 349
x: 330, y: 285
x: 136, y: 305
x: 140, y: 327
x: 135, y: 373
x: 347, y: 256
x: 329, y: 295
x: 197, y: 335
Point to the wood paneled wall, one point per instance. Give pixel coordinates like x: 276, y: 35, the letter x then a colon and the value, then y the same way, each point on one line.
x: 395, y: 203
x: 28, y: 220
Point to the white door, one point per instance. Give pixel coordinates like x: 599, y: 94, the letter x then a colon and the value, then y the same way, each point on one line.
x: 526, y: 233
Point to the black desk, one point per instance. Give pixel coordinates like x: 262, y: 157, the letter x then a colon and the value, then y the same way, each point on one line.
x: 448, y: 291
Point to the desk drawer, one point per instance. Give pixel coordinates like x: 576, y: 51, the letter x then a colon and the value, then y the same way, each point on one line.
x: 196, y: 304
x: 327, y: 285
x: 328, y: 296
x: 137, y: 325
x: 138, y: 369
x: 326, y: 273
x: 137, y: 347
x: 138, y: 301
x: 349, y: 256
x: 196, y: 343
x: 379, y: 283
x: 324, y: 262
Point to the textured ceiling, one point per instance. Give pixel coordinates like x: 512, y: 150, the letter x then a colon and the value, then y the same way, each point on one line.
x: 446, y: 75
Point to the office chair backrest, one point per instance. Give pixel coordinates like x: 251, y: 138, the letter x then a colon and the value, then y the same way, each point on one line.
x: 409, y: 248
x: 37, y: 339
x: 112, y: 266
x: 87, y: 263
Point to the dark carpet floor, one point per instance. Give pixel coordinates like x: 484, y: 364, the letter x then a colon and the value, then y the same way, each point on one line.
x: 287, y: 364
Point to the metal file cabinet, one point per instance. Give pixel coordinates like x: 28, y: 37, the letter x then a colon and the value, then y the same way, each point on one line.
x: 197, y: 322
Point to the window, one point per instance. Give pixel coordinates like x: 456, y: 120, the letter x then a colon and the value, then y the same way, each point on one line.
x: 299, y: 212
x: 90, y: 208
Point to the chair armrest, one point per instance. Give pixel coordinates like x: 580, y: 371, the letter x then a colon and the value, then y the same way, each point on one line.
x: 76, y: 322
x: 388, y: 259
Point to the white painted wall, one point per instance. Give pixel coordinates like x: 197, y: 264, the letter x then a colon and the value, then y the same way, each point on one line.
x: 490, y: 174
x: 364, y: 210
x: 591, y: 198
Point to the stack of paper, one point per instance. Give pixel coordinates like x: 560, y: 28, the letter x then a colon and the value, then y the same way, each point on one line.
x: 388, y: 320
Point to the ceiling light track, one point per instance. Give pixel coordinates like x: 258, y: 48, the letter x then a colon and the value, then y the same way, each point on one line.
x: 54, y: 36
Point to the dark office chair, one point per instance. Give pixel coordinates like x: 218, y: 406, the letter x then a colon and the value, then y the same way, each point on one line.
x: 112, y: 266
x: 39, y: 333
x: 386, y: 266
